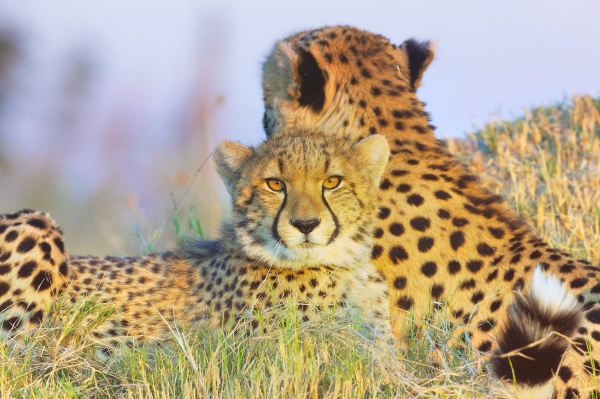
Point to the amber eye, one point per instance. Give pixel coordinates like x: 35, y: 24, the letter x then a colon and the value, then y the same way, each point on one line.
x: 275, y: 184
x: 332, y: 182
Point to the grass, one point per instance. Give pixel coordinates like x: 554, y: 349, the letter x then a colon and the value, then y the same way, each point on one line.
x: 547, y: 164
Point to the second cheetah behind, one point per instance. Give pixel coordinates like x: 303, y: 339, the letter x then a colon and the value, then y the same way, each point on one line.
x: 441, y: 238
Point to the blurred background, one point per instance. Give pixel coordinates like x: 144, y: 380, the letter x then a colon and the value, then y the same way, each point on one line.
x: 109, y: 110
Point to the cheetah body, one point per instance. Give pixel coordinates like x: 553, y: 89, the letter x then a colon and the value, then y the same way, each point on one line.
x: 442, y: 241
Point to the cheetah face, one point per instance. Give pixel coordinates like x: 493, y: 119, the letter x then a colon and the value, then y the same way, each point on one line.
x: 303, y: 198
x: 329, y: 77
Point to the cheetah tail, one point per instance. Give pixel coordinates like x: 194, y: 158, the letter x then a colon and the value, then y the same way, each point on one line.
x: 534, y: 335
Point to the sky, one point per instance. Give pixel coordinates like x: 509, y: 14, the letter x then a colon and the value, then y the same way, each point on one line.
x: 117, y: 104
x: 494, y: 59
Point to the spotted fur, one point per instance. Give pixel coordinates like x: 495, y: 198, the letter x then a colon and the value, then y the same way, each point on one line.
x: 440, y: 237
x: 259, y: 262
x: 33, y: 268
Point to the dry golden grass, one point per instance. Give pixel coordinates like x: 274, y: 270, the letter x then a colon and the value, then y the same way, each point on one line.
x: 547, y: 165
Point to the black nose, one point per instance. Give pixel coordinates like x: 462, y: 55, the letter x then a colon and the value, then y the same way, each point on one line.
x: 305, y: 226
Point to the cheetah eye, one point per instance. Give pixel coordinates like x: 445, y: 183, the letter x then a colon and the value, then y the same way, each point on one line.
x: 275, y: 184
x: 332, y: 182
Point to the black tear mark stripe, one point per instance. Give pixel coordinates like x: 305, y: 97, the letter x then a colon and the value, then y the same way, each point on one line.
x: 274, y: 231
x: 335, y: 219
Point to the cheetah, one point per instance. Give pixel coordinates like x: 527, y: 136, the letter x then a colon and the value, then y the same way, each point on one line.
x: 441, y: 240
x: 304, y: 205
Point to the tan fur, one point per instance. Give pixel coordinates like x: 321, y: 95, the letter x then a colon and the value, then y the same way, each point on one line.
x: 226, y: 280
x: 440, y: 237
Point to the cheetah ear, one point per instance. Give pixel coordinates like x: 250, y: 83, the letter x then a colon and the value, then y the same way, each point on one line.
x: 294, y: 74
x: 419, y: 55
x: 372, y: 154
x: 230, y: 158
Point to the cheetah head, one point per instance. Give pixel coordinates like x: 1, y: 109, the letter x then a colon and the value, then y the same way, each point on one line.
x: 326, y: 77
x: 303, y: 198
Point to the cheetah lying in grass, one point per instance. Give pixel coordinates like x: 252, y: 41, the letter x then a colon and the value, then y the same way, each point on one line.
x: 441, y: 240
x: 303, y: 211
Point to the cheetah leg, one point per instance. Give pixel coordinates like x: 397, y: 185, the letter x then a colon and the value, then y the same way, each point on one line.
x: 369, y: 294
x: 579, y: 372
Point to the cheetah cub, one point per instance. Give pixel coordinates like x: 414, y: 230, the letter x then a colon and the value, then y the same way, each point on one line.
x: 303, y: 210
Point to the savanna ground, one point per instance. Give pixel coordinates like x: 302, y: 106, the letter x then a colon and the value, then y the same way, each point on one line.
x: 547, y: 164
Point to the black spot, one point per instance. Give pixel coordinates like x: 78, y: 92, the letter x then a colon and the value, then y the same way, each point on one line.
x: 415, y: 200
x: 443, y: 195
x: 385, y: 184
x: 376, y: 251
x: 591, y: 366
x: 405, y: 303
x: 11, y: 324
x: 437, y: 291
x: 453, y: 267
x: 467, y: 284
x: 593, y: 316
x: 515, y: 259
x: 495, y: 305
x: 429, y: 269
x: 27, y: 269
x: 38, y: 223
x: 443, y: 214
x: 487, y: 325
x: 485, y: 346
x: 403, y: 188
x: 457, y: 240
x: 565, y: 373
x: 425, y: 244
x: 343, y: 59
x: 60, y: 245
x: 496, y: 232
x: 477, y: 297
x: 396, y: 229
x: 571, y: 393
x: 383, y: 213
x: 63, y: 269
x: 400, y: 283
x: 579, y: 282
x: 535, y: 254
x: 42, y: 281
x: 11, y: 236
x: 399, y: 172
x: 4, y: 287
x: 312, y: 81
x: 420, y: 223
x: 460, y: 222
x: 397, y: 253
x: 509, y: 275
x: 485, y: 250
x: 474, y: 266
x: 430, y: 177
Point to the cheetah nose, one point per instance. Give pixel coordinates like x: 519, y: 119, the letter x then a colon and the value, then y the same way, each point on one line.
x: 305, y: 226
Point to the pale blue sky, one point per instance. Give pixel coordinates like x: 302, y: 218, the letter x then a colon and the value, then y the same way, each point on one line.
x: 493, y: 59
